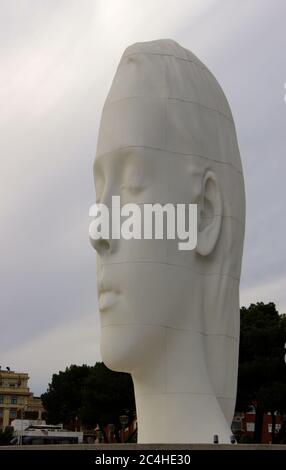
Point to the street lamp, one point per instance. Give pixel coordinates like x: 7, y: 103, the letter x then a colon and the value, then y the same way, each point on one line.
x: 99, y: 434
x: 24, y: 408
x: 21, y: 435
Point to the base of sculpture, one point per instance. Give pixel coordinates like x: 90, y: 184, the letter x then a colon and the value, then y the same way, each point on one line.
x: 145, y: 447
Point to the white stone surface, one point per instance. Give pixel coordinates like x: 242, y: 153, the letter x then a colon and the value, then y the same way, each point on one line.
x: 169, y: 317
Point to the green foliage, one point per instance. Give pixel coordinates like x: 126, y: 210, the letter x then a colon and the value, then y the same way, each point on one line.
x: 272, y: 397
x: 63, y: 398
x: 106, y: 396
x: 262, y: 368
x: 262, y: 332
x: 261, y: 355
x: 6, y: 435
x: 94, y: 394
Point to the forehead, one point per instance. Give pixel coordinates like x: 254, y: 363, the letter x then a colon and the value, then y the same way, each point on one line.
x: 166, y: 104
x: 131, y: 122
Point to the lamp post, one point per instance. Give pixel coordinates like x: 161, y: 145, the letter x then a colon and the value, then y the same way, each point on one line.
x: 99, y: 434
x: 21, y: 434
x: 24, y: 408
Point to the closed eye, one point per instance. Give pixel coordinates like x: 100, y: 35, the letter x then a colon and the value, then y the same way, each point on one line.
x: 132, y: 187
x: 132, y: 181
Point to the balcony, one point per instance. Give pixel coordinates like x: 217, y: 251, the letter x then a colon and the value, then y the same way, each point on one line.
x: 15, y: 391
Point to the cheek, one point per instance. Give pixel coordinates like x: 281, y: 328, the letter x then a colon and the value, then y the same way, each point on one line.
x: 154, y: 294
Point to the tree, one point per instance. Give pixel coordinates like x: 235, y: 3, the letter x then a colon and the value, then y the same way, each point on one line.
x: 106, y: 396
x: 95, y: 395
x: 6, y: 436
x: 63, y: 398
x: 262, y: 369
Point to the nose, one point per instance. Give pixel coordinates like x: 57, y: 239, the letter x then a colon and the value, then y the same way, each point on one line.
x: 103, y: 242
x: 101, y: 245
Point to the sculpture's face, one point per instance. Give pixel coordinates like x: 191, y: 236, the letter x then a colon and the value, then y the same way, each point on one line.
x: 143, y: 285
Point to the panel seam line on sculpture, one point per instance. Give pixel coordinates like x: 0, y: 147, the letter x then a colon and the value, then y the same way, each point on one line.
x: 183, y: 100
x: 127, y: 147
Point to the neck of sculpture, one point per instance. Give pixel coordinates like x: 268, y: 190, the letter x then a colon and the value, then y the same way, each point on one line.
x: 173, y: 392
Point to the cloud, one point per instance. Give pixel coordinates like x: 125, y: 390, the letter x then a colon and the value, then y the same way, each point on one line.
x: 75, y: 342
x: 268, y: 292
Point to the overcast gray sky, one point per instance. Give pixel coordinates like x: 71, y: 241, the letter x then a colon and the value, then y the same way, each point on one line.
x: 57, y: 60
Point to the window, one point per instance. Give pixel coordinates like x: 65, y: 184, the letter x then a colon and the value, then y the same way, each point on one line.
x: 277, y: 428
x: 250, y: 427
x: 1, y: 399
x: 14, y: 401
x: 251, y: 409
x: 13, y: 414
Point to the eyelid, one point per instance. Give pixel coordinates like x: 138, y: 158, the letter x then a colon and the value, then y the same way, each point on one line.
x: 132, y: 187
x: 132, y: 180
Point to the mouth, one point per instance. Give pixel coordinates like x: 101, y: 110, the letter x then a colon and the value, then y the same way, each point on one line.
x: 108, y: 297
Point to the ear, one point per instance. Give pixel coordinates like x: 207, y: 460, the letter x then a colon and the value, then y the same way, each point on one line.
x: 209, y: 214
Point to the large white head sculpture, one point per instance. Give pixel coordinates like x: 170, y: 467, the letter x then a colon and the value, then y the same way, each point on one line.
x: 170, y: 317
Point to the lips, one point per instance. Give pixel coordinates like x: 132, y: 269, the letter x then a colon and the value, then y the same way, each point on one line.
x: 108, y: 297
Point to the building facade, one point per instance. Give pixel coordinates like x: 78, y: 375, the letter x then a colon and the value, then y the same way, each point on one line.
x: 244, y: 425
x: 16, y: 400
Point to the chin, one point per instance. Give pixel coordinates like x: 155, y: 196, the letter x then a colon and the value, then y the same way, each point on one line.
x: 127, y: 348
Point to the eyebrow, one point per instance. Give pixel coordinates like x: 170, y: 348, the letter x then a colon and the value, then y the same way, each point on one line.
x: 120, y: 152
